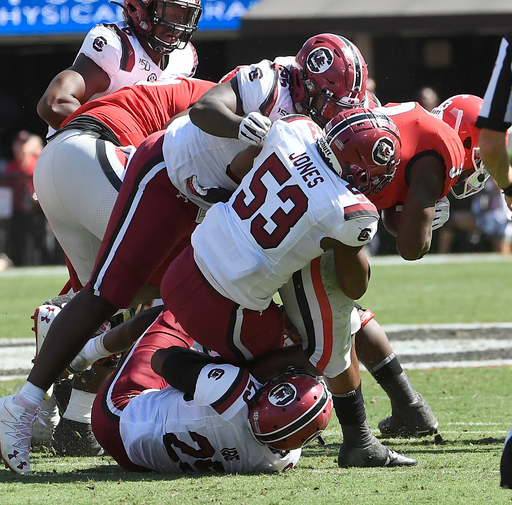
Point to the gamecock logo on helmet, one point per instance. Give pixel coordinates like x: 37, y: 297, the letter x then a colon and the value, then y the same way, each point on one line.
x: 283, y: 394
x: 319, y: 60
x: 383, y: 151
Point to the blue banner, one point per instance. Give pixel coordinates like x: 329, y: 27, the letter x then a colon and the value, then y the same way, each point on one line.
x: 60, y: 17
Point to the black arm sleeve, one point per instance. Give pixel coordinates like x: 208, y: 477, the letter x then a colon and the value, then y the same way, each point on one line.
x: 182, y: 367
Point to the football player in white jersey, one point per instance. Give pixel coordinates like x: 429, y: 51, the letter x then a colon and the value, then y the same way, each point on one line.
x: 166, y: 399
x: 305, y: 83
x: 153, y: 42
x: 245, y: 129
x: 293, y: 205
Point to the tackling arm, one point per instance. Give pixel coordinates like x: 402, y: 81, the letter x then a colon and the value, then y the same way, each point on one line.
x: 70, y: 89
x: 219, y: 111
x: 180, y: 367
x: 352, y: 267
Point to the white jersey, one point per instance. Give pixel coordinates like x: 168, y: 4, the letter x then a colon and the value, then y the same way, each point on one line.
x: 164, y: 432
x: 190, y: 151
x: 273, y: 224
x: 118, y: 52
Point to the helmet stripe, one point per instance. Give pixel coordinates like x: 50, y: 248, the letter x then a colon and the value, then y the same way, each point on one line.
x: 358, y: 65
x: 343, y: 125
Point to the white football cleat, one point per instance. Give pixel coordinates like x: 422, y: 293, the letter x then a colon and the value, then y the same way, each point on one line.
x: 15, y: 431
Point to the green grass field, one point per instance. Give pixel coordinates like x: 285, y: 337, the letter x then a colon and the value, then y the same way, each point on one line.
x: 473, y: 406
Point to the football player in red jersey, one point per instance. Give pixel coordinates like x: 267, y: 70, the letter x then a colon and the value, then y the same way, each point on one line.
x: 151, y: 43
x: 437, y: 157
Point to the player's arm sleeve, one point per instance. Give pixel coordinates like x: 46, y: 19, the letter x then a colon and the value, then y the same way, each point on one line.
x: 107, y: 47
x: 258, y: 86
x: 360, y: 224
x: 181, y: 367
x: 496, y: 113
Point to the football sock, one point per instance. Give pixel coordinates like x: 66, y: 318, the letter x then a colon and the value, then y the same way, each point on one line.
x: 349, y: 408
x: 30, y: 397
x: 392, y: 378
x: 95, y: 349
x: 80, y: 406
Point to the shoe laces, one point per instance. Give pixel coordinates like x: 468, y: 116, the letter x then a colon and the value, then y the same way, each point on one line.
x: 21, y: 429
x: 39, y: 417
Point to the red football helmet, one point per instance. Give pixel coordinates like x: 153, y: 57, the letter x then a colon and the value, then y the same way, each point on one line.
x: 363, y: 147
x: 460, y: 112
x: 331, y: 68
x: 180, y: 16
x: 290, y: 410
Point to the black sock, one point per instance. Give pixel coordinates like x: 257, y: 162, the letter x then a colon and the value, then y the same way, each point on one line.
x: 392, y: 378
x: 349, y: 408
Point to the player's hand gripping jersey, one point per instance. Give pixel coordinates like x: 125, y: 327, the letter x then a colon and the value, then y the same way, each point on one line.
x: 247, y: 249
x: 422, y: 134
x: 163, y: 431
x: 116, y: 50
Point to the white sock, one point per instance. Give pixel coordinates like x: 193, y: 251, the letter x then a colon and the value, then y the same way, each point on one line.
x: 80, y: 406
x: 94, y: 349
x: 30, y: 397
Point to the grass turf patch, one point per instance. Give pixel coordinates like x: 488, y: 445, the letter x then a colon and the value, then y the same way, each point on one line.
x: 461, y: 466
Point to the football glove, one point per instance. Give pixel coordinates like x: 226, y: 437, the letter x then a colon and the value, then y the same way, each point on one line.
x: 254, y: 128
x: 442, y: 213
x: 209, y: 195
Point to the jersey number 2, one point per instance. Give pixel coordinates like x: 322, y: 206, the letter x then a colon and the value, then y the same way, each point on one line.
x: 203, y: 455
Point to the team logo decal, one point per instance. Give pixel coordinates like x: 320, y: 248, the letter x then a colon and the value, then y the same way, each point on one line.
x: 383, y: 151
x: 144, y: 64
x: 216, y: 374
x: 455, y: 172
x: 365, y: 234
x: 283, y: 394
x: 152, y: 77
x: 99, y: 43
x: 257, y: 73
x: 319, y: 60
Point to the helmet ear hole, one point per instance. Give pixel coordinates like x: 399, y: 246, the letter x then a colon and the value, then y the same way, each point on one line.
x: 467, y: 143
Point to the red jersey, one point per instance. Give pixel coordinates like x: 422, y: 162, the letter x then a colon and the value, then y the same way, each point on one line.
x: 135, y: 112
x: 421, y: 134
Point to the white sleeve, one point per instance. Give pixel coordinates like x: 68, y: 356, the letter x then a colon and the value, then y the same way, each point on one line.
x: 257, y: 85
x: 103, y: 46
x: 215, y: 381
x: 359, y: 231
